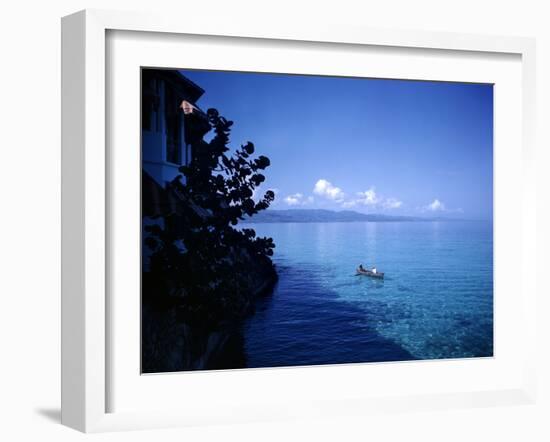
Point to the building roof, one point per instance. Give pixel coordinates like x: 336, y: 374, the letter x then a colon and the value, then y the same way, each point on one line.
x: 179, y: 82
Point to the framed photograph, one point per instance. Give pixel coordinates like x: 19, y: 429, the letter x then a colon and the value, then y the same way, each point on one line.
x: 264, y: 222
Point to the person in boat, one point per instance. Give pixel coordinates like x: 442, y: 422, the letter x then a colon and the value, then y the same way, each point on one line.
x: 361, y: 269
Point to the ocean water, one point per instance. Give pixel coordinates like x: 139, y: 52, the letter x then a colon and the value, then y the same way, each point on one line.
x: 436, y: 300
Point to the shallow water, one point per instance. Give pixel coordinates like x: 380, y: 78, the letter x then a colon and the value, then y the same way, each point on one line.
x: 436, y: 300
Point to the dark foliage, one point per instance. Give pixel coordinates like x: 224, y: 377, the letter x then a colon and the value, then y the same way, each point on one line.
x: 201, y: 263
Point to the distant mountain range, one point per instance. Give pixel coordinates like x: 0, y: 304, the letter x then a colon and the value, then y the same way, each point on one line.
x: 328, y: 216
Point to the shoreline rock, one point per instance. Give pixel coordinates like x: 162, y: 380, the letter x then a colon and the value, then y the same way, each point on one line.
x: 170, y: 343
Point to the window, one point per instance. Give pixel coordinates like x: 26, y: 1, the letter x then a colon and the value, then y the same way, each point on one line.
x: 174, y: 124
x: 149, y: 105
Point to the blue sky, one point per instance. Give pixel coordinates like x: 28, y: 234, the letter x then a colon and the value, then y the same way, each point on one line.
x: 374, y: 146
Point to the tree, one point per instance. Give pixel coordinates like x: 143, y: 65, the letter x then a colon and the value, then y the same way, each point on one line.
x: 201, y: 262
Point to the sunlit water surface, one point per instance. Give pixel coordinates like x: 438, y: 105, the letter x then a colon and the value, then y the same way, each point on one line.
x: 436, y: 300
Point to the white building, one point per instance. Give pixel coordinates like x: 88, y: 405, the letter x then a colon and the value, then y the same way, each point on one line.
x: 169, y: 121
x: 170, y: 124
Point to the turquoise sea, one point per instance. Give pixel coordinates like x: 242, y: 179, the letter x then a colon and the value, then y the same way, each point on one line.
x: 436, y: 300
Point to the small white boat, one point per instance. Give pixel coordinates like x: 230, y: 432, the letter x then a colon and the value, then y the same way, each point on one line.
x: 372, y: 273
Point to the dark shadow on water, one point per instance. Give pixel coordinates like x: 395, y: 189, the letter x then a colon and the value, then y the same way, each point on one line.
x: 51, y: 414
x: 308, y: 324
x: 302, y: 323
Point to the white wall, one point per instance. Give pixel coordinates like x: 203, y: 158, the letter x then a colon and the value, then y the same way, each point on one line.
x: 30, y: 181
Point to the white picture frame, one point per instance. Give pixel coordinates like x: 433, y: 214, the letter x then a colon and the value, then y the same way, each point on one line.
x: 86, y: 357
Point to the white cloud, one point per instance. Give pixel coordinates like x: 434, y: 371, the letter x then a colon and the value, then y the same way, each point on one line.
x: 392, y: 203
x: 349, y: 204
x: 298, y: 199
x: 325, y: 189
x: 436, y: 206
x: 293, y: 200
x: 371, y: 199
x: 368, y: 197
